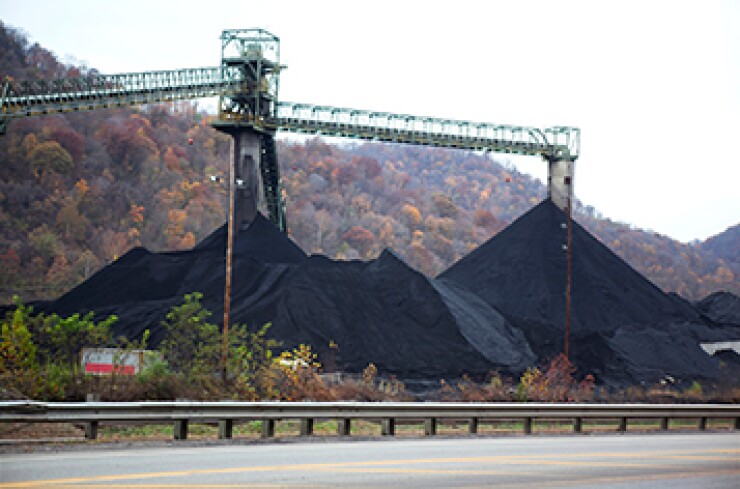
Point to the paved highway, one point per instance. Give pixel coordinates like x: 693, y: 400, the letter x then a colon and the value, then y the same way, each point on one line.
x: 672, y: 460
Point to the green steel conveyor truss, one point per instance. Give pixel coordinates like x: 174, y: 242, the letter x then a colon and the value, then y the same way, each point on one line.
x: 23, y: 99
x: 29, y: 98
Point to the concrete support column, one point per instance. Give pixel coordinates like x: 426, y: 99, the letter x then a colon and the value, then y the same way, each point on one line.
x: 247, y: 178
x: 560, y: 181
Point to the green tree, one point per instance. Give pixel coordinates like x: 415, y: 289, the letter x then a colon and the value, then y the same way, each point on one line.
x: 50, y: 156
x: 67, y: 337
x: 192, y: 347
x: 192, y: 344
x: 18, y: 364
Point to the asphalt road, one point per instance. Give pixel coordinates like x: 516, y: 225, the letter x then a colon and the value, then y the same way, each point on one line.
x: 694, y: 460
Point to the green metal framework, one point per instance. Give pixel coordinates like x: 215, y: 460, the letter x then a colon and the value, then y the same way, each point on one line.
x: 255, y: 55
x: 23, y: 99
x: 247, y: 84
x: 553, y: 142
x: 39, y: 97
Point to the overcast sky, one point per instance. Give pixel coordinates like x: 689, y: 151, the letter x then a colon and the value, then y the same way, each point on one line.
x: 653, y: 85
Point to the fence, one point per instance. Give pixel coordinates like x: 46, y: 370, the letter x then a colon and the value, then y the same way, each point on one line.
x: 389, y: 414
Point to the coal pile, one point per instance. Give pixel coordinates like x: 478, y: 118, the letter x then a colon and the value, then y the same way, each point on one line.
x: 380, y: 311
x: 623, y: 328
x: 500, y: 308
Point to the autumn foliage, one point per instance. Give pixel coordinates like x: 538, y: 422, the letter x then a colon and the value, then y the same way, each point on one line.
x: 78, y: 191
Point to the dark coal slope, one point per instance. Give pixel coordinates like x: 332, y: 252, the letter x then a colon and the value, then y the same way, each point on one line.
x: 381, y: 311
x: 721, y: 308
x: 261, y: 241
x: 522, y: 272
x: 624, y: 329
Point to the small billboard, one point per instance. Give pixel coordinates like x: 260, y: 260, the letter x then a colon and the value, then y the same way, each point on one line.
x: 107, y: 361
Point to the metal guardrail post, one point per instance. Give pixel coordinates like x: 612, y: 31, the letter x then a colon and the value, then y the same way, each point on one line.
x: 577, y: 425
x: 344, y: 426
x: 430, y: 426
x: 702, y: 424
x: 225, y: 429
x: 91, y: 430
x: 181, y: 429
x: 306, y: 426
x: 473, y: 426
x: 527, y: 426
x: 737, y: 423
x: 91, y: 427
x: 268, y: 428
x: 664, y: 423
x: 388, y: 427
x: 622, y: 424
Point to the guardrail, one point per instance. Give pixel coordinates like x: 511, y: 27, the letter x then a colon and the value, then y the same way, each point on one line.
x: 226, y: 413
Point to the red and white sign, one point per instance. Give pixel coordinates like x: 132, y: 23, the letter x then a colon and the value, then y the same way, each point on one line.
x: 107, y: 361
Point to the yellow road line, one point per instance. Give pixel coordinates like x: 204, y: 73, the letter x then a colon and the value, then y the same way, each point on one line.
x: 542, y: 459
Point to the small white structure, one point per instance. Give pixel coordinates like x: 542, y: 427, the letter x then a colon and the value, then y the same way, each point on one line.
x: 107, y: 361
x: 713, y: 348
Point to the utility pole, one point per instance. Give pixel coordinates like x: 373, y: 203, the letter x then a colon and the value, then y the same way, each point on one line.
x: 229, y: 256
x: 567, y: 280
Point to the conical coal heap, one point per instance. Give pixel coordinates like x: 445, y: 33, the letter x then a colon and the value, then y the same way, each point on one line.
x: 624, y: 329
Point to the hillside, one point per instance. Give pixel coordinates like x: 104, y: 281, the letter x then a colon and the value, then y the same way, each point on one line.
x: 78, y: 191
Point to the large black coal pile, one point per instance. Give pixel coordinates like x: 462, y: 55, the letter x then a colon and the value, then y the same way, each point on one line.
x: 623, y: 329
x: 381, y: 311
x: 500, y: 308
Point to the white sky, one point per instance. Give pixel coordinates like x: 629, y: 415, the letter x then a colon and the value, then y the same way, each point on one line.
x: 653, y: 85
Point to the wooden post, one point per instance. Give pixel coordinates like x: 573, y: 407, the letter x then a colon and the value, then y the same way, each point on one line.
x: 567, y: 282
